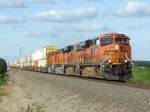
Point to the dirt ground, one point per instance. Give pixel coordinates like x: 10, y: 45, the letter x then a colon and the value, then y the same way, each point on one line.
x: 38, y: 92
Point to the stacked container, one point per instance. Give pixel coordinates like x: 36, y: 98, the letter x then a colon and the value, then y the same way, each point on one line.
x: 39, y: 57
x: 36, y: 61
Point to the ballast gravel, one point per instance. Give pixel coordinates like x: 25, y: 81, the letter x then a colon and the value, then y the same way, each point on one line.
x: 57, y: 93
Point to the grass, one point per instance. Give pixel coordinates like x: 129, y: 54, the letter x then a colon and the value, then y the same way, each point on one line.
x: 32, y: 108
x: 141, y: 74
x: 3, y: 90
x: 2, y: 80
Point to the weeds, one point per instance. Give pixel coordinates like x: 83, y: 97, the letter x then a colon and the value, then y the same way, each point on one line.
x: 3, y: 92
x: 141, y: 75
x: 2, y: 80
x: 32, y: 108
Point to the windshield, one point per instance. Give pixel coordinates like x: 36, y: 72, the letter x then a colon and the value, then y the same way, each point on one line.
x: 122, y: 40
x: 106, y: 41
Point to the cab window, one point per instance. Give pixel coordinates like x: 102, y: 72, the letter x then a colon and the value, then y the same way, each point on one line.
x: 122, y: 40
x: 106, y: 41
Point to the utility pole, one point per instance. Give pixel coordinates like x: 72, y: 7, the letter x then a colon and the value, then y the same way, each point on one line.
x: 20, y: 51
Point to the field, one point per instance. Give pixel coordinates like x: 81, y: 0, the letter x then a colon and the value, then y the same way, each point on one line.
x: 3, y: 90
x: 2, y: 80
x: 141, y: 73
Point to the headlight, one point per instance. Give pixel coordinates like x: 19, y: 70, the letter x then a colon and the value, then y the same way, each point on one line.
x: 125, y: 61
x: 109, y: 61
x: 116, y: 47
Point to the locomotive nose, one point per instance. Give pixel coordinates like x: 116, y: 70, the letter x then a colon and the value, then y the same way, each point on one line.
x: 121, y: 48
x: 119, y: 54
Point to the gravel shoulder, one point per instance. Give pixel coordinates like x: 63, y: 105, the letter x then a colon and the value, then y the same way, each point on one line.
x: 55, y: 93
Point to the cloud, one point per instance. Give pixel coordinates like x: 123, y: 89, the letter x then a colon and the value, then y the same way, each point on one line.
x: 134, y: 9
x: 49, y: 1
x: 24, y: 3
x: 35, y: 34
x: 9, y: 20
x: 80, y: 28
x: 13, y: 4
x: 139, y: 27
x: 89, y: 27
x: 58, y: 1
x: 66, y: 16
x: 49, y: 33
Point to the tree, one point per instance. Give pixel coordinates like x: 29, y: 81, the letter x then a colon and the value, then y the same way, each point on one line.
x: 3, y: 66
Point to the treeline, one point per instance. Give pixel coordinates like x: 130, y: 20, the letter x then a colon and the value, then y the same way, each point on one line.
x: 142, y: 63
x: 3, y: 66
x: 3, y: 70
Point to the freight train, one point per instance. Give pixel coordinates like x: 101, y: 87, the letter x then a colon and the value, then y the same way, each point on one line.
x: 108, y: 56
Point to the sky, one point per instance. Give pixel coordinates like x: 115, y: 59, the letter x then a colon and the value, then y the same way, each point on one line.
x: 32, y: 24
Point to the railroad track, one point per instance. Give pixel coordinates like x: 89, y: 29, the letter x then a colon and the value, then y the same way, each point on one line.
x: 128, y: 84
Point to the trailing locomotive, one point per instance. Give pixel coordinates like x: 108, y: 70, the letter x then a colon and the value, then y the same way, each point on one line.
x: 107, y: 56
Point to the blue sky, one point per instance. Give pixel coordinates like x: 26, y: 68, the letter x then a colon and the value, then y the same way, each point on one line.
x: 33, y: 24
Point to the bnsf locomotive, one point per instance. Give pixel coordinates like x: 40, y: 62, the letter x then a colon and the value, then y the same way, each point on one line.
x: 107, y: 56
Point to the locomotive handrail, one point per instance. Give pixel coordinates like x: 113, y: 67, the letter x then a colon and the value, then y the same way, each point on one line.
x: 129, y: 59
x: 132, y: 63
x: 101, y: 64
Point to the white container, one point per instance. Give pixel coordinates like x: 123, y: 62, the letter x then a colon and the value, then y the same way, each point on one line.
x: 39, y: 54
x: 21, y: 65
x: 29, y: 64
x: 42, y: 63
x: 32, y: 63
x: 24, y: 65
x: 29, y: 57
x: 22, y: 60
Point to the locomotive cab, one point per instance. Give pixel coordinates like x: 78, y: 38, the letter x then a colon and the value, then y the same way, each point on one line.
x: 115, y: 48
